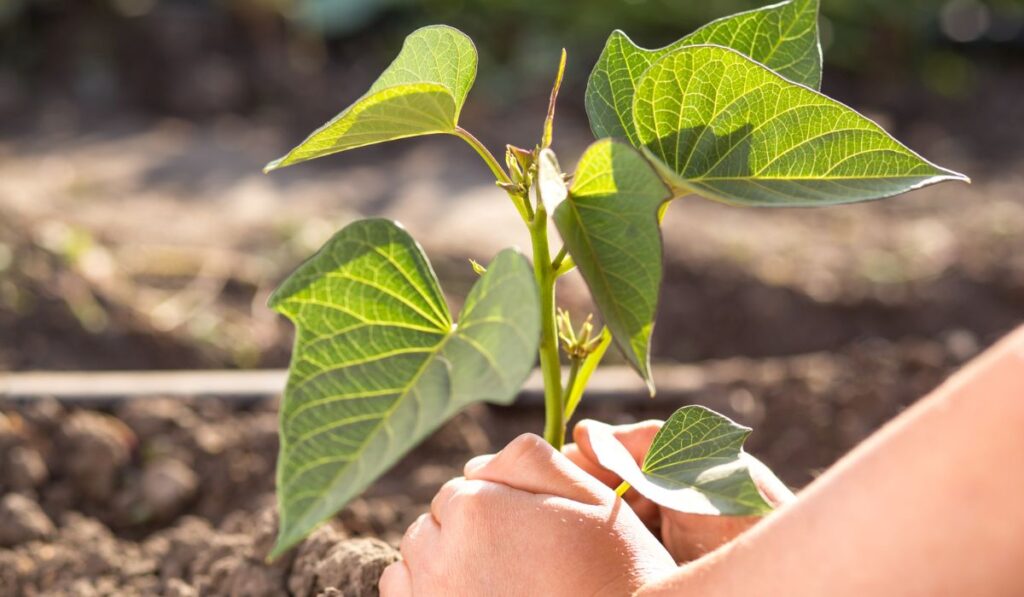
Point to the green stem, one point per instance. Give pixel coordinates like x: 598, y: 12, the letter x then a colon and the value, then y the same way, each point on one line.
x: 570, y: 385
x: 565, y: 266
x: 499, y: 173
x: 575, y: 392
x: 557, y: 261
x: 554, y: 423
x: 485, y: 153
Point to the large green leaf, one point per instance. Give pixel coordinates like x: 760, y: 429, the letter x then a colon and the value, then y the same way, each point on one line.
x: 378, y: 364
x: 782, y: 36
x: 695, y: 464
x: 421, y: 93
x: 725, y: 127
x: 609, y: 224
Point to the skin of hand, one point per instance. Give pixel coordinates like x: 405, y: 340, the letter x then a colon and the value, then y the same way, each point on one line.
x: 925, y: 507
x: 686, y: 536
x: 526, y: 521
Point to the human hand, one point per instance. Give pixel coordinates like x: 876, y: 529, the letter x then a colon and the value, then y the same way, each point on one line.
x: 686, y: 536
x: 525, y: 521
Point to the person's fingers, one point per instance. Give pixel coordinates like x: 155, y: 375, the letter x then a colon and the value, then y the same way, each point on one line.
x: 773, y: 489
x: 689, y: 536
x: 577, y: 457
x: 476, y: 462
x: 396, y: 581
x: 443, y: 497
x: 636, y: 437
x: 530, y: 464
x: 421, y: 539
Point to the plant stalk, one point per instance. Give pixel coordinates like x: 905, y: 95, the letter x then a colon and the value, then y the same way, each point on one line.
x: 570, y: 385
x: 499, y: 173
x: 554, y: 422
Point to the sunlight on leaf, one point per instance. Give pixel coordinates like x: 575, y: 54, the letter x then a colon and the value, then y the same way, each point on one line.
x: 696, y: 464
x: 421, y: 93
x: 550, y: 180
x: 727, y: 128
x: 782, y: 36
x: 378, y: 364
x: 609, y: 224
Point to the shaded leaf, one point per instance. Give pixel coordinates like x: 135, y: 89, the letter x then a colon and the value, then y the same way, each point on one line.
x: 696, y: 464
x: 723, y: 126
x: 782, y: 36
x: 609, y: 224
x: 421, y: 93
x: 378, y: 364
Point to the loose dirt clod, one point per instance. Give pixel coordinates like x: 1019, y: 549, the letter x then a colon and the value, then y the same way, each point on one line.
x: 167, y: 486
x: 354, y: 567
x: 21, y: 520
x: 24, y: 468
x: 94, y: 448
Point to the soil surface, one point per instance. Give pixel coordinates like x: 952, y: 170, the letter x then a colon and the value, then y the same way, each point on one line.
x: 175, y: 497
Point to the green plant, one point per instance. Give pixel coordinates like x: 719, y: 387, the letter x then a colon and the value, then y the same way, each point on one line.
x: 730, y: 112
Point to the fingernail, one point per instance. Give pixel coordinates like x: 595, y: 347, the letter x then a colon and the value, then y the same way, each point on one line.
x: 476, y: 463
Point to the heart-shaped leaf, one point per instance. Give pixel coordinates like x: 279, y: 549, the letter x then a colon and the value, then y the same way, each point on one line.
x: 421, y: 93
x: 696, y: 464
x: 609, y: 224
x: 782, y: 36
x: 723, y: 126
x: 378, y: 364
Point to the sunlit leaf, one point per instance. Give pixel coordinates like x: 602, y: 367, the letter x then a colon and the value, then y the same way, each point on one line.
x: 421, y: 93
x: 550, y: 181
x: 696, y: 464
x: 609, y: 224
x: 378, y: 364
x: 723, y: 126
x: 782, y: 36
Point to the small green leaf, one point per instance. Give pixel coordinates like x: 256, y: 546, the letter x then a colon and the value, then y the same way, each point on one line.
x: 782, y: 36
x: 723, y: 126
x: 421, y: 93
x: 609, y: 224
x: 696, y: 464
x: 378, y: 364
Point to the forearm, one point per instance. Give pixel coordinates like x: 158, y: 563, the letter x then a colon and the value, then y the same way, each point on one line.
x: 930, y: 505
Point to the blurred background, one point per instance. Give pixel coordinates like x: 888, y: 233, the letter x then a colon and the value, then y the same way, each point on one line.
x: 138, y: 232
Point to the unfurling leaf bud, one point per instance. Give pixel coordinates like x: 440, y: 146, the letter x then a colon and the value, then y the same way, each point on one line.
x: 479, y: 269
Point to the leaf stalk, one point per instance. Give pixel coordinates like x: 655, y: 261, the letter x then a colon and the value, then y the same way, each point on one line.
x: 500, y: 175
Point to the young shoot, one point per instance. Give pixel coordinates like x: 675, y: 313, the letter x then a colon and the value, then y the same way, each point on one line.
x: 731, y: 113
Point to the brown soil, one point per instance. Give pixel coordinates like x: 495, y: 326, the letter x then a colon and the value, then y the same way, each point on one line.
x: 175, y: 497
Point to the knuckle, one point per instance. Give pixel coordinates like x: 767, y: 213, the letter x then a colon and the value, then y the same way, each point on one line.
x: 409, y: 539
x: 471, y: 502
x: 526, y: 444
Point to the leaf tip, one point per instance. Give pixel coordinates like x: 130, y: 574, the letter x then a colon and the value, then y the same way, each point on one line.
x: 282, y: 544
x: 273, y: 165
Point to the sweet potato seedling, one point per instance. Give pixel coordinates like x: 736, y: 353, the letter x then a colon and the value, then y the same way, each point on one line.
x: 731, y: 113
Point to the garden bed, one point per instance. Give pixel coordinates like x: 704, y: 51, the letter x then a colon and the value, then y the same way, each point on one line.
x: 175, y: 496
